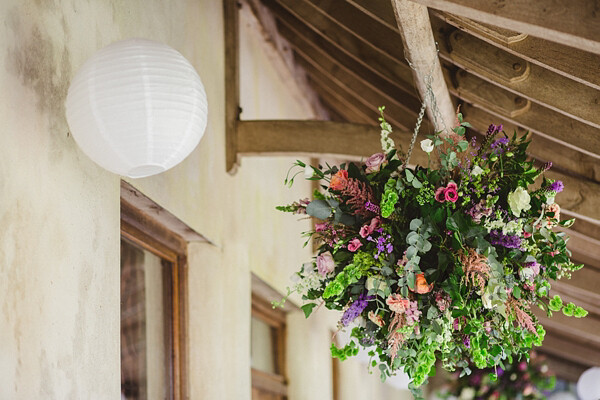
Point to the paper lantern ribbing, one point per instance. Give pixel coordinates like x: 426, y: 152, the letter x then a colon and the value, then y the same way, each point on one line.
x: 137, y: 108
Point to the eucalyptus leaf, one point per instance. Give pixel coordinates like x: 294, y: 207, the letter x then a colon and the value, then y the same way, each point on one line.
x: 415, y: 224
x: 319, y: 209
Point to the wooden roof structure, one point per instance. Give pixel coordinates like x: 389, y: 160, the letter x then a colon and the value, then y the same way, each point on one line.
x: 530, y: 65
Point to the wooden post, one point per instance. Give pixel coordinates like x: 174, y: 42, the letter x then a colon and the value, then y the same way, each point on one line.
x: 421, y: 52
x: 232, y: 82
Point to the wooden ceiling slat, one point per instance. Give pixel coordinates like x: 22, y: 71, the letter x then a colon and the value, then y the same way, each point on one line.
x: 361, y: 25
x: 572, y: 63
x: 541, y: 147
x: 563, y: 369
x: 582, y: 330
x: 537, y: 119
x: 326, y: 60
x: 311, y: 59
x: 357, y: 48
x: 544, y: 87
x: 567, y: 349
x: 290, y: 27
x: 358, y: 92
x: 574, y: 23
x: 341, y: 103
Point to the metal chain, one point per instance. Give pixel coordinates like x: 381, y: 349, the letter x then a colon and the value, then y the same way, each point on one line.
x: 429, y: 95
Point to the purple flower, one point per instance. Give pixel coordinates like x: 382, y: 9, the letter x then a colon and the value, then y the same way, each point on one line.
x: 557, y: 186
x: 374, y: 208
x: 508, y: 241
x: 467, y: 342
x: 383, y: 244
x: 355, y: 309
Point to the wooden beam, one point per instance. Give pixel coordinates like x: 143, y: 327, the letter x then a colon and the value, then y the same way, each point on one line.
x: 575, y: 64
x: 357, y: 48
x: 582, y: 330
x: 316, y: 138
x: 542, y: 86
x: 574, y: 24
x: 563, y: 369
x: 542, y: 147
x: 537, y: 119
x: 232, y: 82
x: 421, y: 51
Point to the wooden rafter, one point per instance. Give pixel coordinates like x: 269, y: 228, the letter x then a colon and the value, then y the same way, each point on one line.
x: 539, y: 85
x: 421, y: 51
x: 572, y: 63
x: 232, y: 82
x: 574, y: 24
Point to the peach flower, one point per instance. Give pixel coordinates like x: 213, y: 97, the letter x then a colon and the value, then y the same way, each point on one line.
x: 339, y: 180
x: 421, y: 286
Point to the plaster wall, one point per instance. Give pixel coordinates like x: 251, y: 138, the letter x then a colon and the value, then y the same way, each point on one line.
x: 59, y: 212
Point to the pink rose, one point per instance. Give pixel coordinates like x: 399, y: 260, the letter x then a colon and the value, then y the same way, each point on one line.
x: 374, y: 162
x: 440, y: 194
x: 354, y: 245
x: 325, y: 263
x: 375, y: 223
x: 397, y: 303
x: 364, y: 231
x: 451, y: 195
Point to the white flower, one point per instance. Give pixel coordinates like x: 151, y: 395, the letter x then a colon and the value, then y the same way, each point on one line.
x: 308, y: 172
x: 476, y: 170
x: 427, y: 145
x: 519, y: 201
x: 376, y: 282
x: 467, y: 394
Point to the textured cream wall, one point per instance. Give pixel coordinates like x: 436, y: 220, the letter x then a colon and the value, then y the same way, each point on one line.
x: 59, y: 212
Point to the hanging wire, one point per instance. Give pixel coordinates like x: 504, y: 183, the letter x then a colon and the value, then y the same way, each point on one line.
x: 428, y: 97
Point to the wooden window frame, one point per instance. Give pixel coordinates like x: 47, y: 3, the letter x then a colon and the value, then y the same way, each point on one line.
x: 275, y: 318
x: 142, y: 230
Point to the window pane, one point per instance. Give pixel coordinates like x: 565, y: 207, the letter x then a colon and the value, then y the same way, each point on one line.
x: 262, y: 346
x: 144, y: 324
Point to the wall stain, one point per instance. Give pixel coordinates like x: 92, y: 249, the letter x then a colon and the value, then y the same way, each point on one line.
x: 44, y: 66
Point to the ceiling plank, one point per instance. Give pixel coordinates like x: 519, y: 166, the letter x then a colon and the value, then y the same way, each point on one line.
x: 421, y: 51
x: 316, y: 138
x: 372, y: 97
x: 538, y: 119
x: 356, y: 92
x: 542, y: 86
x: 567, y: 349
x: 345, y: 40
x: 386, y: 93
x: 370, y: 72
x: 574, y: 24
x: 582, y: 330
x: 575, y: 64
x: 563, y: 369
x: 541, y: 148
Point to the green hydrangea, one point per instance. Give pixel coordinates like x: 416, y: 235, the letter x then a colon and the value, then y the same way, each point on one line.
x: 390, y: 198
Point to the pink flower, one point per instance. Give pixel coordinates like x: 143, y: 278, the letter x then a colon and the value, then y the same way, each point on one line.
x: 450, y: 194
x: 374, y: 162
x: 487, y: 325
x: 375, y: 223
x: 451, y: 185
x: 325, y: 263
x: 354, y: 244
x: 440, y: 195
x: 320, y: 227
x: 364, y: 231
x: 526, y: 235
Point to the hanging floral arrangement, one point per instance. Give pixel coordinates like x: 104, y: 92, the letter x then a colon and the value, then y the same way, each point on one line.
x: 436, y: 263
x: 519, y: 380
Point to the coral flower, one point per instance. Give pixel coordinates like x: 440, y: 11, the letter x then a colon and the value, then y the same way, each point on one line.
x: 421, y: 286
x: 339, y: 180
x: 397, y: 303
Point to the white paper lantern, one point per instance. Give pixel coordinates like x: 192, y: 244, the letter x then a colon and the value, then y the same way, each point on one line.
x: 588, y: 385
x: 137, y: 108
